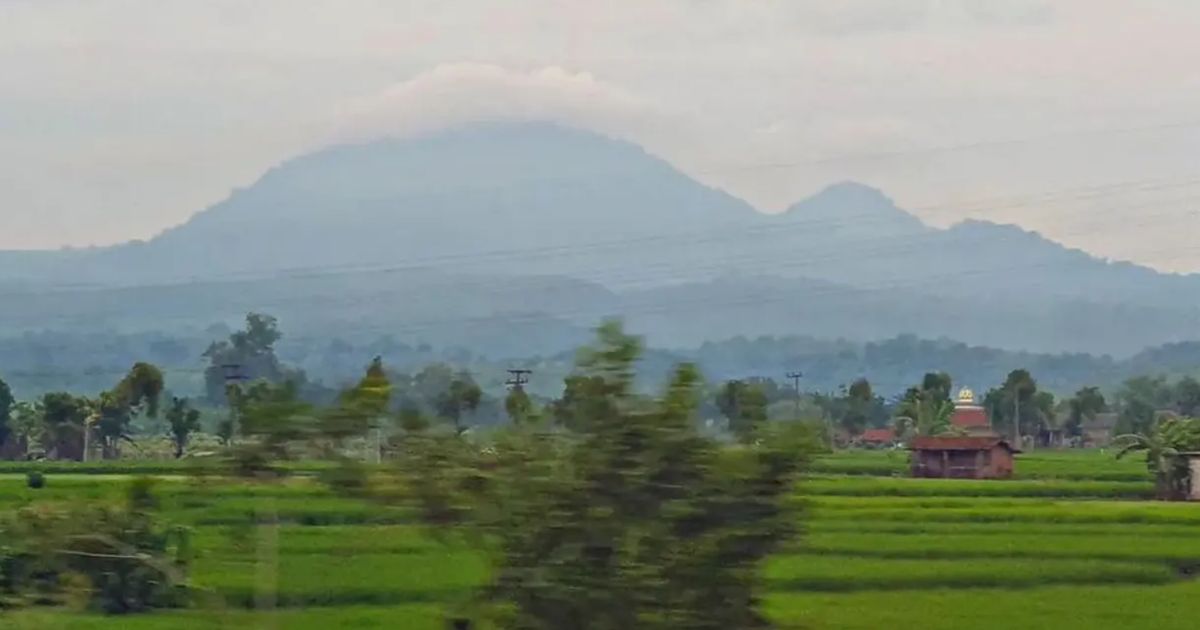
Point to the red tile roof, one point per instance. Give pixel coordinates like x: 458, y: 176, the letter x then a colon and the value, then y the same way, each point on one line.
x: 957, y: 443
x: 970, y: 417
x: 878, y: 435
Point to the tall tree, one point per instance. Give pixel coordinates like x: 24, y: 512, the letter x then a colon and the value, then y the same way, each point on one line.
x: 925, y: 409
x: 111, y: 414
x: 1187, y: 396
x: 182, y: 422
x: 248, y: 355
x: 1139, y: 400
x: 744, y: 406
x: 462, y: 397
x: 1082, y: 408
x: 518, y: 405
x: 360, y: 408
x: 1011, y: 406
x: 7, y: 401
x: 64, y: 418
x: 633, y: 521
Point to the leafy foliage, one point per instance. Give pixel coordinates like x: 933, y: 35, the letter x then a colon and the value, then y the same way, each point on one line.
x: 118, y: 559
x: 744, y: 406
x: 182, y: 422
x: 1170, y: 438
x: 632, y: 520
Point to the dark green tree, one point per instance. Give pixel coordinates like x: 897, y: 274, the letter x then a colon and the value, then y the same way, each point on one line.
x: 1187, y: 397
x: 744, y: 406
x: 360, y: 408
x: 518, y: 406
x: 1082, y: 408
x: 461, y: 397
x: 631, y: 520
x: 182, y: 422
x: 7, y: 402
x: 1139, y: 400
x: 248, y: 355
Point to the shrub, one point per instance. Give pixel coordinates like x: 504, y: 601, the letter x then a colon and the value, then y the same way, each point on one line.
x: 35, y: 480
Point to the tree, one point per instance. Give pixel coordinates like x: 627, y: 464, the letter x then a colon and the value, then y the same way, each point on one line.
x: 248, y: 355
x: 462, y: 396
x: 1082, y: 408
x: 27, y: 422
x: 925, y: 409
x: 1170, y: 437
x: 744, y: 406
x: 122, y: 558
x: 9, y: 441
x: 6, y: 404
x: 1015, y: 395
x: 182, y: 421
x: 111, y: 414
x: 63, y: 419
x: 518, y: 406
x: 633, y: 520
x: 859, y: 407
x: 1139, y: 401
x: 360, y: 408
x: 1187, y: 397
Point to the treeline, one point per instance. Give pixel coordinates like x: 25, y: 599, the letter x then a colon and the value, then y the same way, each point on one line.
x: 58, y: 423
x: 42, y: 362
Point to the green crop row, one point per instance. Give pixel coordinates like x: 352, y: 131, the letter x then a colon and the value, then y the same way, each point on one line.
x: 1177, y: 551
x: 1166, y: 607
x: 885, y: 486
x: 361, y: 578
x: 814, y: 572
x: 343, y: 541
x: 320, y: 580
x: 1125, y: 530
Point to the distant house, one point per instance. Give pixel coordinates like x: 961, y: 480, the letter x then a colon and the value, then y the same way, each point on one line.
x: 962, y: 457
x: 1098, y: 431
x: 877, y: 438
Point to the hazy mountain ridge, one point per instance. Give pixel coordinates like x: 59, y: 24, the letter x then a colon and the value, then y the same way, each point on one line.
x: 505, y: 224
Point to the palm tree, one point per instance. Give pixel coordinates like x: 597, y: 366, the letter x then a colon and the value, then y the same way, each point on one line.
x: 924, y: 415
x: 1170, y: 438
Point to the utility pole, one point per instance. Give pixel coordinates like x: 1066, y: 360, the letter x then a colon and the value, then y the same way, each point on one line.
x: 796, y: 376
x: 517, y: 378
x: 234, y: 376
x: 1016, y: 419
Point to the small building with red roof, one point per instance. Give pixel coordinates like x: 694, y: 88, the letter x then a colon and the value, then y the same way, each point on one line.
x: 972, y: 450
x: 877, y: 438
x: 962, y: 457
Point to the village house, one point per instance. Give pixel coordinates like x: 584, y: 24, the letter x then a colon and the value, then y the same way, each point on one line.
x: 877, y: 438
x: 1098, y: 431
x: 962, y: 457
x: 973, y: 451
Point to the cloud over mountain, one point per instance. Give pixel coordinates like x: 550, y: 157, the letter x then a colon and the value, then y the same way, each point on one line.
x: 450, y: 95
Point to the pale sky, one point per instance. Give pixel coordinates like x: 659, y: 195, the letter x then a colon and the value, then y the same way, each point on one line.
x: 1077, y: 118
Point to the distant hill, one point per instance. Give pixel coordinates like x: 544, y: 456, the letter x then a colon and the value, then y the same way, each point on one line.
x: 481, y: 231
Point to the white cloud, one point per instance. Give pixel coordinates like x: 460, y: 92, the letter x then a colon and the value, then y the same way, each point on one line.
x: 454, y: 94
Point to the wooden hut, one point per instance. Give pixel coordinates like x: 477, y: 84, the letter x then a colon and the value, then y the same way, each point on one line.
x: 962, y: 457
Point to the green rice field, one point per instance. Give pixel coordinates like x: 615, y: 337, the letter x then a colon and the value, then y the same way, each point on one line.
x: 1072, y: 542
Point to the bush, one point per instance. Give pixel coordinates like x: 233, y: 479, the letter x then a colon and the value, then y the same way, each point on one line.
x: 35, y: 480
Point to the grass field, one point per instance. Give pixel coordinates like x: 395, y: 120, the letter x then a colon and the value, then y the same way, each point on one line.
x: 1071, y: 543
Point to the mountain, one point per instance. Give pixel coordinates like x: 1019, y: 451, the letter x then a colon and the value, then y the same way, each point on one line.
x: 486, y: 198
x: 478, y: 233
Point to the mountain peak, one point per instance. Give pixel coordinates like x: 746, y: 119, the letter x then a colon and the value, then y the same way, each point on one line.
x: 853, y: 206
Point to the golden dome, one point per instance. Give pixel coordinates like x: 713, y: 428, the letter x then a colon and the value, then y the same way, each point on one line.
x: 966, y: 396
